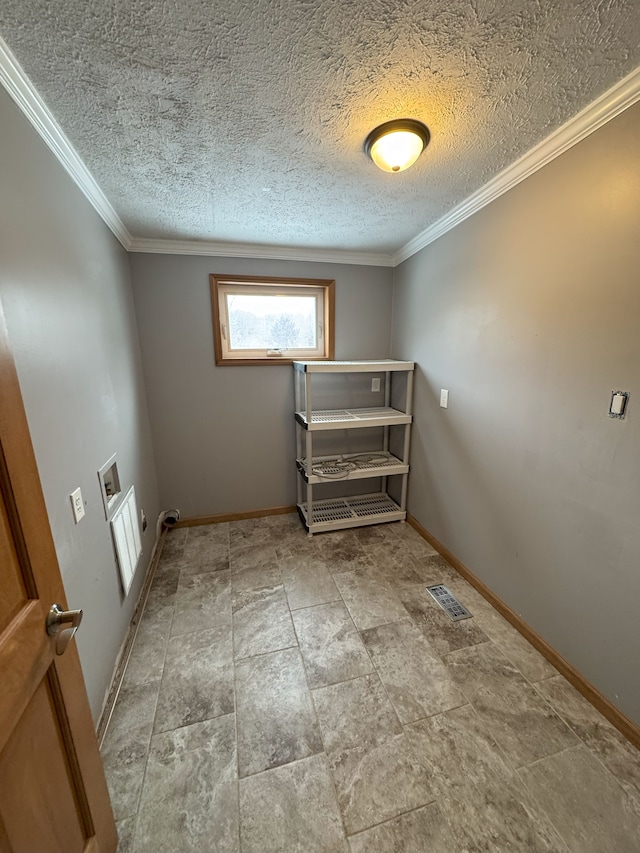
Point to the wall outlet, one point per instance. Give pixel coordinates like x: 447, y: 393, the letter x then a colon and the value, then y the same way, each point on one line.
x: 444, y: 398
x: 77, y: 505
x: 375, y: 384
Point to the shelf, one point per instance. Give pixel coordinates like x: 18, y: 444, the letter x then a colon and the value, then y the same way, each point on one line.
x: 351, y: 418
x: 355, y: 511
x: 380, y: 366
x: 374, y: 465
x: 335, y: 474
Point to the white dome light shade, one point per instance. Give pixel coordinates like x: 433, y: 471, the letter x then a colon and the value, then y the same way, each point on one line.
x: 396, y: 151
x: 396, y: 145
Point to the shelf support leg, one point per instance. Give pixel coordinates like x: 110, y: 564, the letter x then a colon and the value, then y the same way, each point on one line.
x: 409, y: 400
x: 407, y: 443
x: 307, y: 397
x: 405, y: 459
x: 309, y: 452
x: 385, y: 433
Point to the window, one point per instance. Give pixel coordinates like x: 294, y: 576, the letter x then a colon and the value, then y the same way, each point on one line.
x: 271, y: 320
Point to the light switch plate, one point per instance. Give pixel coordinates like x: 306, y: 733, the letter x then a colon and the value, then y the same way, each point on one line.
x: 444, y: 398
x: 618, y: 404
x: 77, y: 504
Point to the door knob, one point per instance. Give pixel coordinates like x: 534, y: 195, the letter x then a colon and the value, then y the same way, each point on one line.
x: 62, y: 624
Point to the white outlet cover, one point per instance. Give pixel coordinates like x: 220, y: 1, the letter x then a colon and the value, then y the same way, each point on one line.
x: 375, y: 384
x: 444, y: 398
x: 77, y: 504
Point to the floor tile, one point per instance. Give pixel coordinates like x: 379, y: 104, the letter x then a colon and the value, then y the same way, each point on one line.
x: 213, y: 557
x: 423, y: 829
x: 250, y: 580
x: 126, y: 744
x: 389, y: 542
x: 379, y: 783
x: 460, y: 749
x: 197, y: 683
x: 614, y: 750
x: 251, y: 531
x: 158, y: 615
x: 190, y: 796
x: 146, y: 659
x: 174, y: 542
x: 417, y: 681
x: 202, y: 601
x: 528, y: 660
x: 376, y: 773
x: 252, y: 556
x: 276, y: 722
x: 355, y: 713
x: 169, y: 565
x: 374, y: 534
x: 124, y: 763
x: 299, y: 545
x: 588, y: 807
x: 330, y: 644
x: 125, y: 829
x: 206, y: 549
x: 307, y: 581
x: 524, y: 725
x: 498, y: 818
x: 302, y: 796
x: 261, y: 622
x: 209, y: 533
x: 342, y: 551
x: 519, y: 651
x: 371, y: 601
x: 135, y: 708
x: 418, y: 546
x: 433, y: 569
x: 486, y: 805
x: 523, y: 762
x: 286, y: 522
x: 164, y: 587
x: 397, y: 566
x: 443, y: 634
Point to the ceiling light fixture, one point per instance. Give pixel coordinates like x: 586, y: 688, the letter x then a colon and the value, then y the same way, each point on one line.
x: 396, y: 145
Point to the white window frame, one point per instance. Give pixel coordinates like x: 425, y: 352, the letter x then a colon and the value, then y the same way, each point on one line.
x: 322, y: 289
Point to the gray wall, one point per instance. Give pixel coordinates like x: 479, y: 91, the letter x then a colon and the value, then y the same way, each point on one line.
x: 224, y: 436
x: 65, y: 288
x: 528, y: 313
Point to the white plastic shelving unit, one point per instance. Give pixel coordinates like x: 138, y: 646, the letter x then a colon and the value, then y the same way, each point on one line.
x: 352, y: 510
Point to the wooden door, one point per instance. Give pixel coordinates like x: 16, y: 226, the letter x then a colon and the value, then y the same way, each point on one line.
x: 53, y: 794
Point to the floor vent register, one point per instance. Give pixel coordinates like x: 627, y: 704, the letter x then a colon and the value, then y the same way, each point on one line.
x: 448, y: 602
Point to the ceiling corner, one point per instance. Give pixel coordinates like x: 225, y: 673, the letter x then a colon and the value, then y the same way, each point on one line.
x: 613, y: 102
x: 20, y: 89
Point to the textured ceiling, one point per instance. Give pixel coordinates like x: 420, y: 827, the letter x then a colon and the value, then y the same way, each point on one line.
x: 243, y: 121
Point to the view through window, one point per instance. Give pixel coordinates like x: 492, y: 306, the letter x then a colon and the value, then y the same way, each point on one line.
x: 271, y: 320
x: 286, y: 322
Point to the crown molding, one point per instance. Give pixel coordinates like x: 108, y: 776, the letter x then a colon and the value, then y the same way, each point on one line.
x: 251, y: 250
x: 617, y: 99
x: 22, y: 91
x: 20, y: 88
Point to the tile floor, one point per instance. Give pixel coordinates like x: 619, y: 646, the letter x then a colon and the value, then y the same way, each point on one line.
x: 295, y: 694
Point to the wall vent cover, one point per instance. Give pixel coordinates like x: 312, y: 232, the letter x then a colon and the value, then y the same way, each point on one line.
x: 448, y: 602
